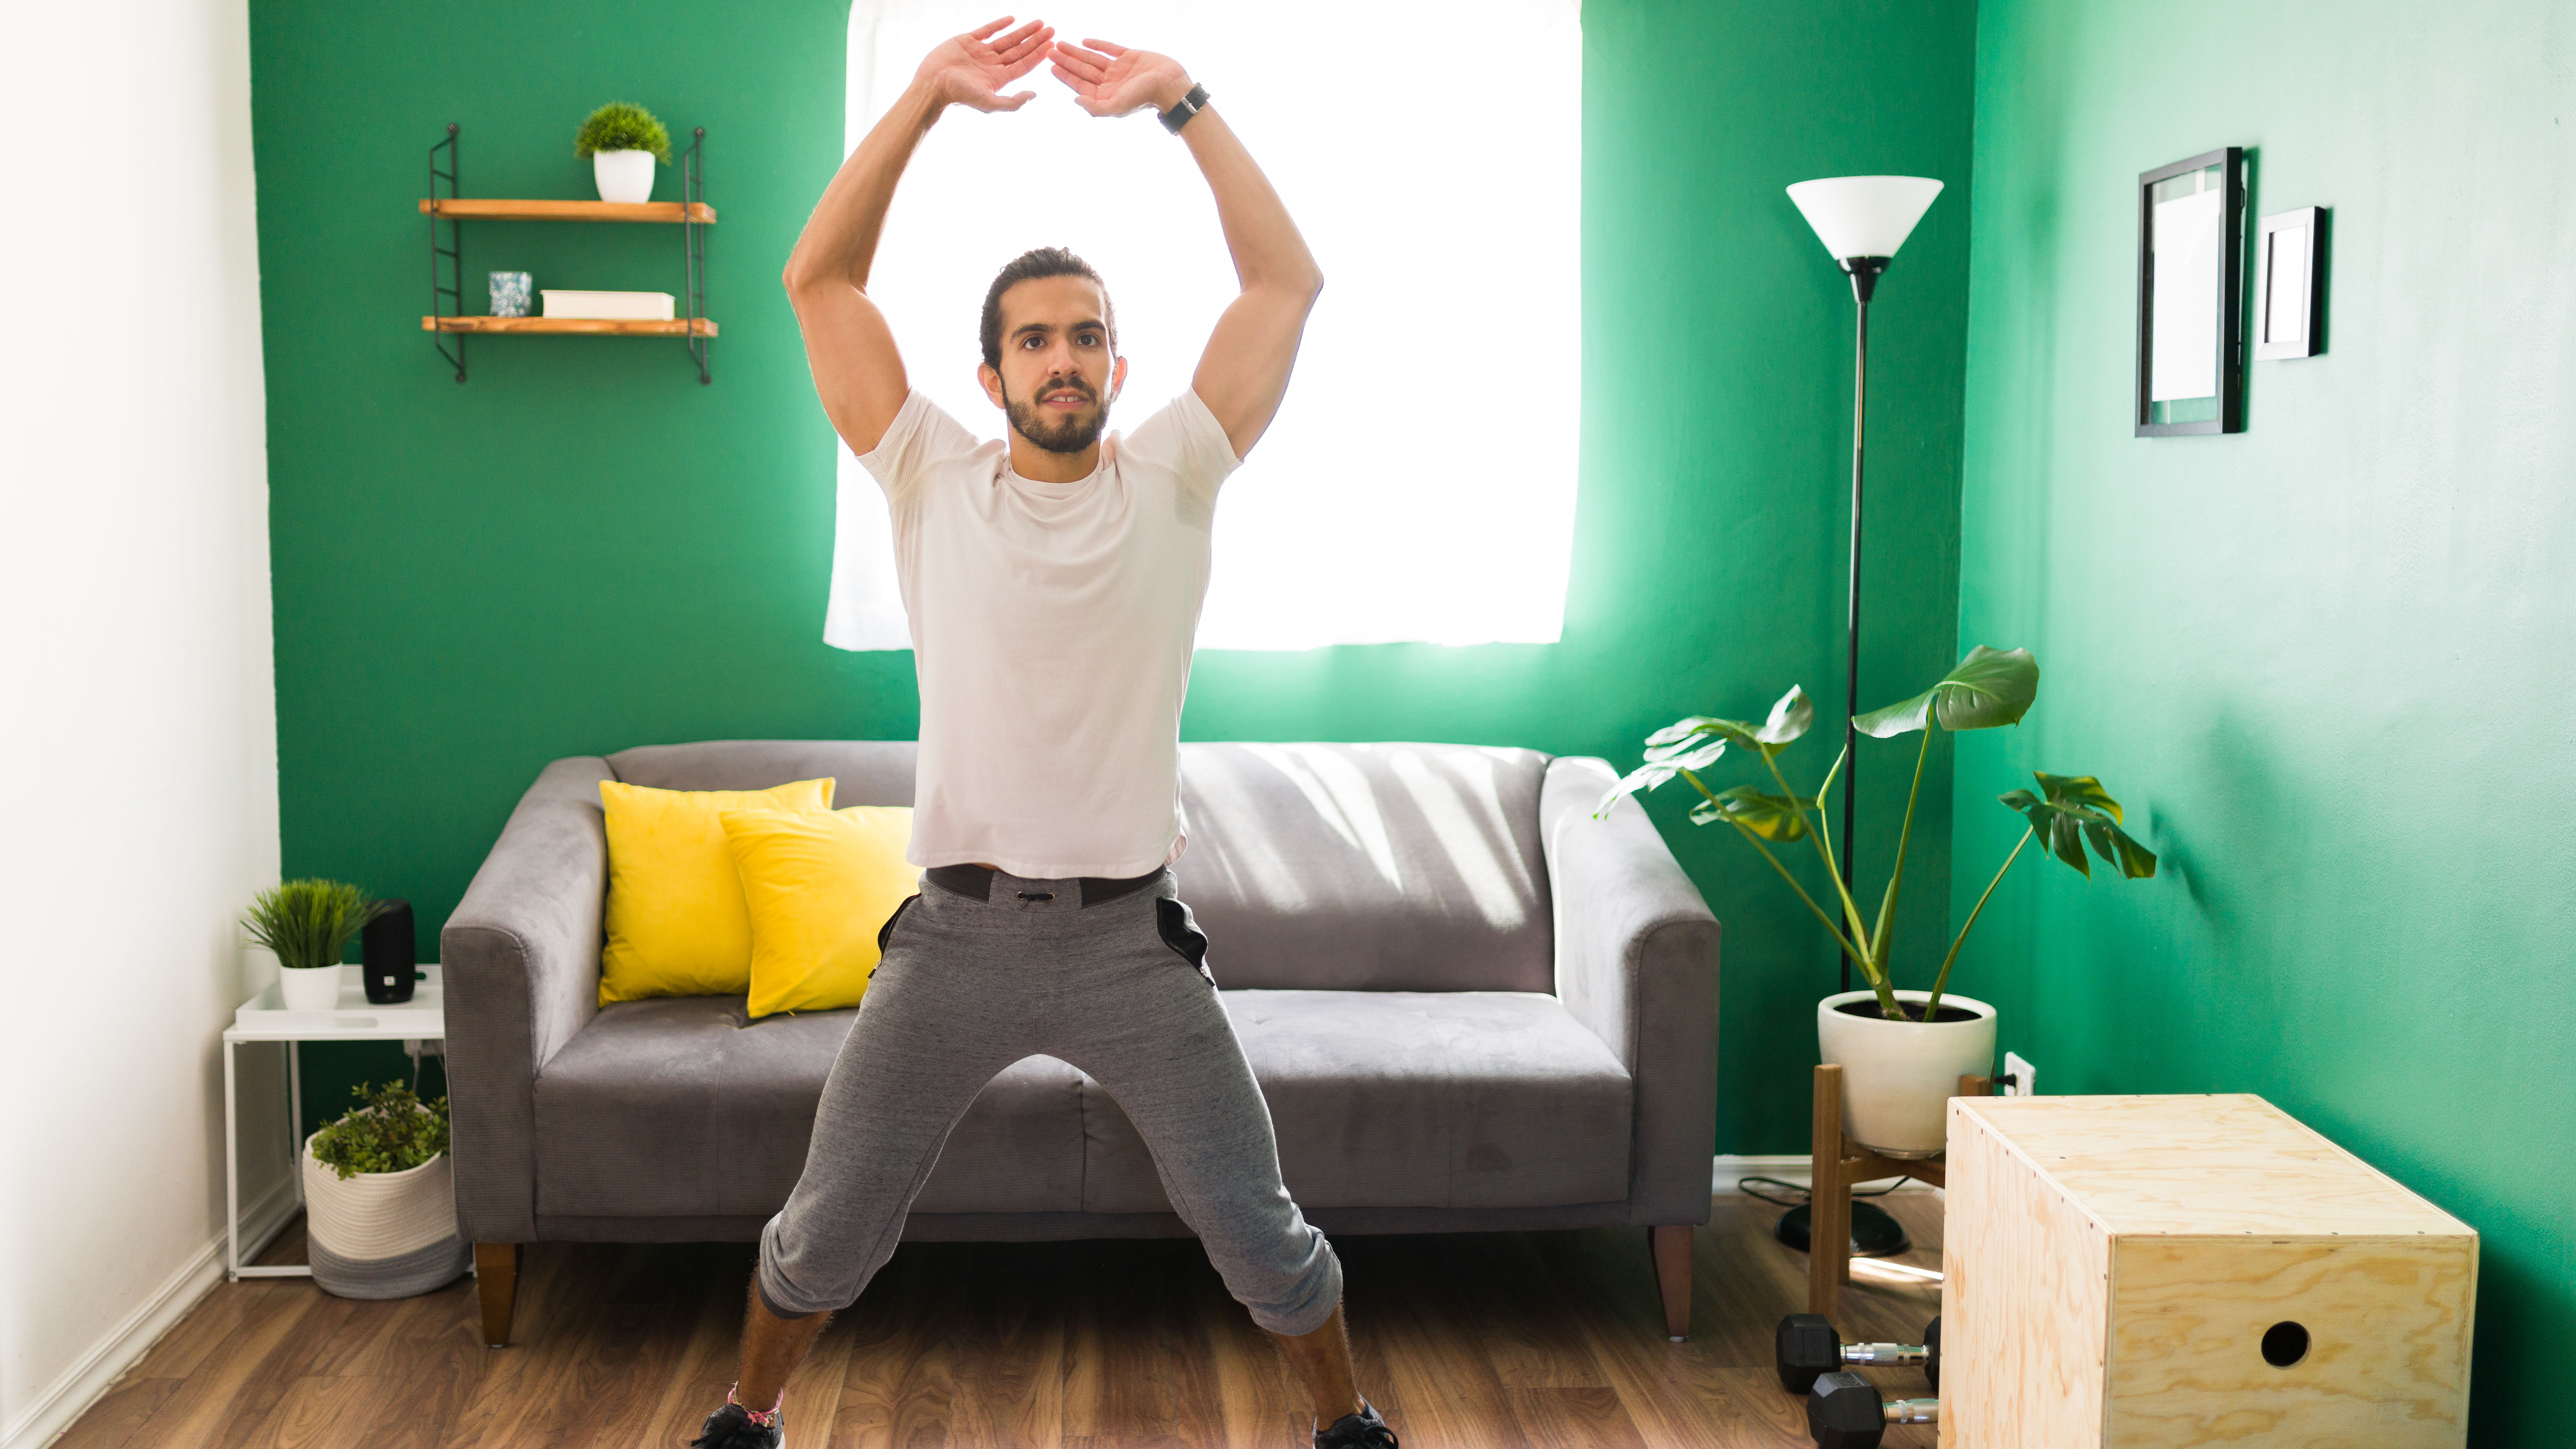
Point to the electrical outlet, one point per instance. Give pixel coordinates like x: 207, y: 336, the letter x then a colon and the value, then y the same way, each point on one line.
x: 2025, y: 1077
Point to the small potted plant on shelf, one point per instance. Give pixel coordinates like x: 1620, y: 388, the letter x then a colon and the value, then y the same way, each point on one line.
x: 306, y: 924
x: 380, y: 1198
x: 623, y: 141
x: 1902, y: 1052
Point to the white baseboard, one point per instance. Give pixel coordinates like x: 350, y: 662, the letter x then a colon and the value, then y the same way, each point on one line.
x: 81, y: 1385
x: 1727, y: 1171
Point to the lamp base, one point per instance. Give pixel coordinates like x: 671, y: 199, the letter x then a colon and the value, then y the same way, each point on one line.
x: 1865, y: 272
x: 1873, y: 1233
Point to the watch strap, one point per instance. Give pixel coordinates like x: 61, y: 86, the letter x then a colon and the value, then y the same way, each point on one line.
x: 1186, y: 107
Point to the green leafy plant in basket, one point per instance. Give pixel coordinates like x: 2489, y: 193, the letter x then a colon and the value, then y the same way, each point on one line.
x: 392, y: 1130
x: 308, y: 922
x: 1989, y: 688
x: 622, y: 126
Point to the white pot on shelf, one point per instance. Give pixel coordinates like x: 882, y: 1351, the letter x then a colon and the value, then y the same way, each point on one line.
x: 309, y: 988
x: 1899, y: 1076
x: 382, y: 1234
x: 623, y: 175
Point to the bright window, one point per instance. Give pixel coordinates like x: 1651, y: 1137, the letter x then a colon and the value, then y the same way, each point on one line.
x: 1419, y: 482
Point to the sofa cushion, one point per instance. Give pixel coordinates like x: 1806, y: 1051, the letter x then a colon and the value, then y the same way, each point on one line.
x: 1378, y: 867
x: 674, y: 1108
x: 868, y: 772
x: 1407, y: 1099
x: 1371, y: 867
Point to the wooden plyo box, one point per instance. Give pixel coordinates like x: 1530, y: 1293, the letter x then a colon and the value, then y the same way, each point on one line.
x: 2113, y: 1266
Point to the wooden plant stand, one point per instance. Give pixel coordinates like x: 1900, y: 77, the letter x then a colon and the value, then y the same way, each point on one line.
x: 1838, y: 1165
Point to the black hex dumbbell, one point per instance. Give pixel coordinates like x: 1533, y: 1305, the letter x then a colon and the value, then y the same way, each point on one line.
x: 1807, y: 1345
x: 1845, y: 1411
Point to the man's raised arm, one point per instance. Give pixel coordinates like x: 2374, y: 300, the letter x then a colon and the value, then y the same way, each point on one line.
x: 857, y: 369
x: 1244, y: 372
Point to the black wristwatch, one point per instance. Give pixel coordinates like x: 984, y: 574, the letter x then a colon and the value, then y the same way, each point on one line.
x: 1188, y: 106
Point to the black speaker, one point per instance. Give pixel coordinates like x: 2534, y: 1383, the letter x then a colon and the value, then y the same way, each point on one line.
x: 386, y: 948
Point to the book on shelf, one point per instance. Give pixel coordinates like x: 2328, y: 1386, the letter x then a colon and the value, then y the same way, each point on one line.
x: 610, y: 306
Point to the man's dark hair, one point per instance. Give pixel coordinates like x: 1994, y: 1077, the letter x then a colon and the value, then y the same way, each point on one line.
x: 1028, y: 267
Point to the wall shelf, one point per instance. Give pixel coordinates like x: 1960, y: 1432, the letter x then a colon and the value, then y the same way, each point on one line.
x: 448, y: 318
x: 587, y: 326
x: 485, y: 209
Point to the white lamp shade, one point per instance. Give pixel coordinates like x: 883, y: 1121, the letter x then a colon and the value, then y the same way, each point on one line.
x: 1864, y: 216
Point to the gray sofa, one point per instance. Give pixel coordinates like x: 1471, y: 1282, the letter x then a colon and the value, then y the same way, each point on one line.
x: 1471, y: 1006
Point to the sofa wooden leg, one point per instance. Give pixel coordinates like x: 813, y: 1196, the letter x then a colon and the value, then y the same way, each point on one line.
x: 496, y: 1280
x: 1673, y: 1278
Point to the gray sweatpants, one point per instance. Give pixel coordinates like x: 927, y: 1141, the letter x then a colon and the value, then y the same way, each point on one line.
x: 968, y: 987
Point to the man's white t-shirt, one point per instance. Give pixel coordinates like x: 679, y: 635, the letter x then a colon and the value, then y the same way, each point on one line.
x: 1051, y: 629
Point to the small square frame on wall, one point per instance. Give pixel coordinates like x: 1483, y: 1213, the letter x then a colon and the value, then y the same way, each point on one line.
x: 2290, y: 284
x: 2191, y: 289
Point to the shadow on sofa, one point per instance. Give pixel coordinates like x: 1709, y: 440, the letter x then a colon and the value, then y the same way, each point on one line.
x: 1471, y: 1006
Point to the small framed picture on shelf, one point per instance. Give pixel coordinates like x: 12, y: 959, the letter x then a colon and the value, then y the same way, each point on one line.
x: 510, y: 292
x: 2191, y: 285
x: 2290, y: 284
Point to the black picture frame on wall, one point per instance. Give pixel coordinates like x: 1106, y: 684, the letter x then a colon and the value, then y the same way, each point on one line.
x: 2191, y: 290
x: 2290, y: 284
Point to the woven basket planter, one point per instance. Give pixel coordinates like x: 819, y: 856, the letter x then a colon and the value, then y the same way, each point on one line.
x: 383, y: 1234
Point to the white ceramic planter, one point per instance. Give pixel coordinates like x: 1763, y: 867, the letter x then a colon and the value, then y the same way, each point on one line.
x: 623, y: 175
x: 382, y: 1234
x: 309, y: 988
x: 1899, y: 1076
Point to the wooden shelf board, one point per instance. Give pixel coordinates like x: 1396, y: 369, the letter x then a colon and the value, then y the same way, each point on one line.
x: 485, y: 209
x: 569, y: 326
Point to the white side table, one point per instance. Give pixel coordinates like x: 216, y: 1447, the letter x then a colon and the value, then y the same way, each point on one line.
x: 265, y: 1018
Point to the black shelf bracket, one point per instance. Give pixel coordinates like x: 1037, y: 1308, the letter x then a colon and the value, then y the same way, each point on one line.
x: 451, y: 293
x: 693, y: 241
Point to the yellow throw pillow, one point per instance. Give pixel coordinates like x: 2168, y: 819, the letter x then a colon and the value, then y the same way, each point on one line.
x: 676, y: 923
x: 818, y: 884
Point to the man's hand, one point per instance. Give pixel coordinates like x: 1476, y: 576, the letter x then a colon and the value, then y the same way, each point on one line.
x: 1111, y: 80
x: 1243, y: 374
x: 971, y: 69
x: 857, y: 370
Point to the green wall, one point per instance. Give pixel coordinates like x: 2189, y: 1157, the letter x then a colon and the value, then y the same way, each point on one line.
x: 2318, y: 657
x: 582, y: 549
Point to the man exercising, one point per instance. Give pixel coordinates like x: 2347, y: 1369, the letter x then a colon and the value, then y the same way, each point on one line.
x: 1053, y: 584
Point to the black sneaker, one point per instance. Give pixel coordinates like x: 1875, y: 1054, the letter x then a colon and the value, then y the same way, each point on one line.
x: 732, y: 1427
x: 1363, y: 1430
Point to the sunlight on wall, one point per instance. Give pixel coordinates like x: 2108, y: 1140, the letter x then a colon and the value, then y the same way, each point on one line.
x: 1419, y: 483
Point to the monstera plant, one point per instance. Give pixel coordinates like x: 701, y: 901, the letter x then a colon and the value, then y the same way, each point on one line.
x: 1989, y: 688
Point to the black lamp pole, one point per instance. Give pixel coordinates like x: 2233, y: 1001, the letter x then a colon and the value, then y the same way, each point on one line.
x: 1865, y: 272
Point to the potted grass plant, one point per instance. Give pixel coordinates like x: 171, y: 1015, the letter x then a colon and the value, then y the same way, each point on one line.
x: 623, y: 141
x: 306, y: 924
x: 380, y: 1197
x: 1902, y: 1051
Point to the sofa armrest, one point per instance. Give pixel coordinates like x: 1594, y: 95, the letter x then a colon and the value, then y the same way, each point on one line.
x: 521, y: 961
x: 1636, y: 961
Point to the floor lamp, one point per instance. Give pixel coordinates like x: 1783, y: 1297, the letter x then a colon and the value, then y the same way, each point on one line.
x: 1862, y: 220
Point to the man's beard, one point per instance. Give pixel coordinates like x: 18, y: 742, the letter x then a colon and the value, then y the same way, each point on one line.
x: 1065, y: 435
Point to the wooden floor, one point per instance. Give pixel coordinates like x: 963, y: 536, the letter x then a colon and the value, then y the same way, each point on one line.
x: 1474, y: 1341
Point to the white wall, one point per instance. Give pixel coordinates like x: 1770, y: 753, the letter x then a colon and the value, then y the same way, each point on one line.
x: 137, y: 717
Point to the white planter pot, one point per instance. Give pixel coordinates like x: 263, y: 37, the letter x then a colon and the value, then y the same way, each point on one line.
x: 623, y: 175
x: 309, y: 988
x: 382, y: 1234
x: 1899, y: 1076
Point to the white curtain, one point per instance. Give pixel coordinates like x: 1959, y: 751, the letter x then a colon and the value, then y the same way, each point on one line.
x: 1419, y: 482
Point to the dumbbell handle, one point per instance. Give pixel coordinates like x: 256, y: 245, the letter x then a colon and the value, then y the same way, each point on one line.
x: 1887, y: 1355
x: 1912, y: 1411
